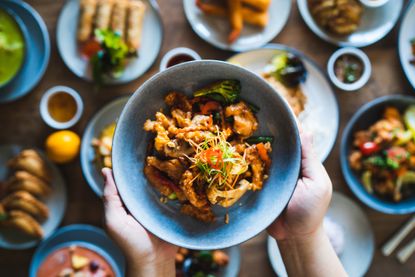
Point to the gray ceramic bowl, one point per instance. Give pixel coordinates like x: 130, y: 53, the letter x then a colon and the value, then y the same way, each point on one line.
x: 362, y: 119
x: 250, y: 215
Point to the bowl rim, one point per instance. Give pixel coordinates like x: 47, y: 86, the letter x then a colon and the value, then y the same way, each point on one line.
x: 23, y: 31
x: 373, y: 4
x: 167, y: 237
x: 175, y: 52
x: 357, y: 188
x: 367, y: 68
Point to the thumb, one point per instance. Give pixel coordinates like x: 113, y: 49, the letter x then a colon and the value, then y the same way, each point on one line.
x: 111, y: 198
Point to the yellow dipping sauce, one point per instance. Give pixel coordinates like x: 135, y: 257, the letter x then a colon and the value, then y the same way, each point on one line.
x: 62, y: 107
x: 12, y: 47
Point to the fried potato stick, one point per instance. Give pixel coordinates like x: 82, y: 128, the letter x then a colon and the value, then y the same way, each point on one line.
x: 252, y: 17
x: 261, y: 5
x: 235, y: 18
x: 88, y: 8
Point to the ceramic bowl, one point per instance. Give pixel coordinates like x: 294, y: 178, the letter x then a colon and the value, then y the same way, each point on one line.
x: 362, y: 119
x: 256, y: 210
x: 367, y: 68
x: 177, y: 52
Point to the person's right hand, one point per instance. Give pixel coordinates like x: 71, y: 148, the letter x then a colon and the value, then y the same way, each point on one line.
x: 305, y: 212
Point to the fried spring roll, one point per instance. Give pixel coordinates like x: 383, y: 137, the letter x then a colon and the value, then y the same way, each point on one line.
x: 261, y: 5
x: 88, y: 8
x: 119, y: 16
x: 136, y: 12
x: 103, y: 16
x: 236, y: 20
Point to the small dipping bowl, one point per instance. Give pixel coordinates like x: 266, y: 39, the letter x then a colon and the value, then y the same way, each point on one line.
x: 357, y: 55
x: 61, y: 107
x: 177, y: 56
x: 373, y: 3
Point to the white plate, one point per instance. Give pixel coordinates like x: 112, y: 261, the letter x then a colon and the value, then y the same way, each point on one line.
x: 68, y: 47
x: 375, y: 24
x: 215, y: 30
x: 104, y: 117
x: 359, y: 240
x: 406, y: 33
x: 321, y: 114
x: 56, y: 203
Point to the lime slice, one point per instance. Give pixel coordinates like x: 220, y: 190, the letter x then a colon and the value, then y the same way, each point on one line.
x: 409, y: 118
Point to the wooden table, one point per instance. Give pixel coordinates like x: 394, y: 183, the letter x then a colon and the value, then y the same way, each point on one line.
x: 20, y: 123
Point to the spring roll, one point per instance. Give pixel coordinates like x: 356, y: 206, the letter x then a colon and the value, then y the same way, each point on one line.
x: 136, y: 12
x: 119, y: 16
x: 236, y: 20
x: 86, y: 18
x: 261, y: 5
x: 103, y: 16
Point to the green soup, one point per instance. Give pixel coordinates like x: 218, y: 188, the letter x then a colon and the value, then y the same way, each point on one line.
x: 12, y: 47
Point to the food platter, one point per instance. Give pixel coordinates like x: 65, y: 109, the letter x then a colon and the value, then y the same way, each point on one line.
x: 152, y: 37
x: 358, y: 235
x: 56, y: 203
x: 321, y: 114
x: 107, y: 115
x: 211, y: 29
x: 375, y: 24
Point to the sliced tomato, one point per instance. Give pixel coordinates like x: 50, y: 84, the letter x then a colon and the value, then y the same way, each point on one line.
x: 398, y: 154
x: 369, y: 148
x: 90, y: 48
x: 209, y: 107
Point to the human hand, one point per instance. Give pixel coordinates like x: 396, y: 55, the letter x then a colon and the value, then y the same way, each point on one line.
x: 146, y: 254
x: 305, y: 212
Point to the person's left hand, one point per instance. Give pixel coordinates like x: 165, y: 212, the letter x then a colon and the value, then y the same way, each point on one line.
x: 146, y: 254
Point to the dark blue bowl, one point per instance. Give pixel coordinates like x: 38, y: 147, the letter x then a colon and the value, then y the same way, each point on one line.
x: 363, y: 118
x: 250, y: 215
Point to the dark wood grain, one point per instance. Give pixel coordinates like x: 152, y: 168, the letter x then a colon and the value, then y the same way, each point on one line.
x: 20, y: 123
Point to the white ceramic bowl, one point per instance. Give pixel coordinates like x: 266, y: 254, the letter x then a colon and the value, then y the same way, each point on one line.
x: 177, y: 52
x: 367, y: 68
x: 374, y: 3
x: 44, y: 111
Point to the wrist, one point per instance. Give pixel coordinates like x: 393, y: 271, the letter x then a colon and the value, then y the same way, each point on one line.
x: 150, y: 269
x: 302, y: 239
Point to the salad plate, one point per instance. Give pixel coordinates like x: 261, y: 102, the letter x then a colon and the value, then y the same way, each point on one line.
x: 320, y: 116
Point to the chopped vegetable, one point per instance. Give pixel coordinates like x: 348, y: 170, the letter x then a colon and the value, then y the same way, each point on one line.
x: 263, y: 139
x: 376, y: 161
x: 288, y: 69
x: 367, y: 181
x: 263, y: 154
x: 226, y: 92
x: 369, y: 148
x: 209, y: 107
x: 409, y: 119
x: 111, y: 59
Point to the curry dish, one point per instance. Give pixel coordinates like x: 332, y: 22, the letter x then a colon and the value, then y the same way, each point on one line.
x: 204, y: 153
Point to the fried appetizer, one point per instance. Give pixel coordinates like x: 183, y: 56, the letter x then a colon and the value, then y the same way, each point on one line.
x: 235, y: 17
x: 103, y: 15
x: 340, y: 17
x: 136, y: 12
x: 23, y: 222
x: 86, y: 19
x: 24, y: 201
x: 260, y: 5
x: 119, y: 16
x: 103, y: 147
x: 22, y: 180
x: 29, y: 160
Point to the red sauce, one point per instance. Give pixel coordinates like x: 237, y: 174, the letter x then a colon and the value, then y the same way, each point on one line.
x: 61, y: 260
x: 181, y: 58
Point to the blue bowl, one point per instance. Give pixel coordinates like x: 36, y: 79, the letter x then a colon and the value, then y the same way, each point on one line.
x: 362, y: 119
x: 256, y: 210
